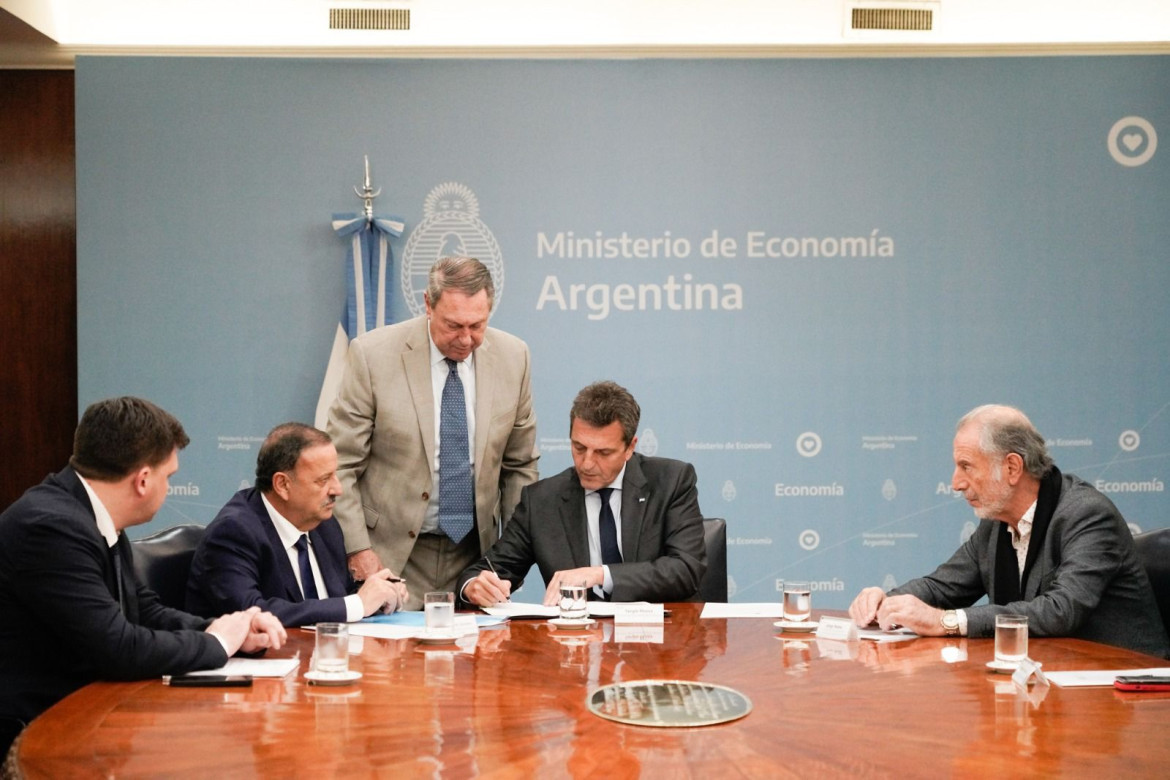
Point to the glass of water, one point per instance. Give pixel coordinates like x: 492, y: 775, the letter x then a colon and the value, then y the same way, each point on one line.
x: 1011, y: 638
x: 331, y: 654
x: 797, y: 600
x: 574, y: 603
x: 440, y: 612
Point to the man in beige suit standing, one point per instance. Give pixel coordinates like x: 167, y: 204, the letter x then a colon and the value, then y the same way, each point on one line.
x: 435, y: 435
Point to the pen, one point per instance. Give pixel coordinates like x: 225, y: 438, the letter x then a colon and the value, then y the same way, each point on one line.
x: 493, y: 568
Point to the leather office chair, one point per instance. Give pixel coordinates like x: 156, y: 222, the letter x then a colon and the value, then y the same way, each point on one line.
x: 1153, y: 548
x: 163, y: 560
x: 10, y: 729
x: 714, y: 584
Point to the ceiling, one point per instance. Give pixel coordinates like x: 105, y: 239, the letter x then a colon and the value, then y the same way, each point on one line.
x: 50, y: 33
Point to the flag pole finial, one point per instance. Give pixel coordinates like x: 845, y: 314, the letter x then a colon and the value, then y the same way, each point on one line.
x: 367, y: 193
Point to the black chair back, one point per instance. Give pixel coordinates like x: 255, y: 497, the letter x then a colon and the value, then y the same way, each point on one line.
x: 714, y: 584
x: 1153, y: 548
x: 10, y: 729
x: 163, y: 560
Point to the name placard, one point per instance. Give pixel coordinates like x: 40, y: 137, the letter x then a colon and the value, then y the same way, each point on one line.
x: 841, y: 629
x: 642, y: 614
x: 1028, y: 670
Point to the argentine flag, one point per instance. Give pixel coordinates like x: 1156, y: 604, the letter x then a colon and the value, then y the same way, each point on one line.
x: 368, y: 262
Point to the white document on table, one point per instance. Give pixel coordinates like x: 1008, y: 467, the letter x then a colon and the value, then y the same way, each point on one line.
x: 1097, y: 677
x: 384, y: 630
x: 463, y: 625
x: 765, y: 609
x: 879, y: 636
x: 256, y: 667
x: 518, y: 610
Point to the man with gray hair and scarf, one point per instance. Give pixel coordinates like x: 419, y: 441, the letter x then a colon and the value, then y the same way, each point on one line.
x: 1050, y: 547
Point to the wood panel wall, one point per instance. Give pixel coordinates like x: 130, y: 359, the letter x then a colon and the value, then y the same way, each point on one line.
x: 38, y: 277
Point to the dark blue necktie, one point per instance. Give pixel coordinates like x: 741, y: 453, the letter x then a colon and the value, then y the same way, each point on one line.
x: 117, y: 556
x: 456, y: 492
x: 308, y: 584
x: 607, y: 528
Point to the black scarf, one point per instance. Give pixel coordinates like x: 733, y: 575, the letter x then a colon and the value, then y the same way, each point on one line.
x: 1008, y: 585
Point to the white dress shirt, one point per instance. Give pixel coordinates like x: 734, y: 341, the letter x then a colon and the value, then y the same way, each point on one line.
x: 105, y: 523
x: 1021, y: 538
x: 593, y: 526
x: 105, y: 526
x: 289, y: 534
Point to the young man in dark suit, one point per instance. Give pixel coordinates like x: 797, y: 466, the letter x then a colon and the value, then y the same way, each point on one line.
x: 72, y: 610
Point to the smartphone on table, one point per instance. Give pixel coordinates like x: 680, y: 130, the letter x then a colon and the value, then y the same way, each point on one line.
x: 208, y: 681
x: 1142, y: 682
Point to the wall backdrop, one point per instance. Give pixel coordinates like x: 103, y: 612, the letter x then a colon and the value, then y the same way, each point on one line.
x: 805, y: 270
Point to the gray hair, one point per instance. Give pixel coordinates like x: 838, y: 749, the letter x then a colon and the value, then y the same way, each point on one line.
x: 1005, y: 429
x: 461, y: 274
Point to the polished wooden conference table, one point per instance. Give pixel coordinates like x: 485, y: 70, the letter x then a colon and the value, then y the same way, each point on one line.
x: 512, y: 703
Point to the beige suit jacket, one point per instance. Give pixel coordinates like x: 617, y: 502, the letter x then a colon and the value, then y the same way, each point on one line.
x: 383, y: 425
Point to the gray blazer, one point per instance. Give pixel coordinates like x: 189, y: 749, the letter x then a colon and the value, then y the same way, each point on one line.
x: 1086, y: 580
x: 664, y: 556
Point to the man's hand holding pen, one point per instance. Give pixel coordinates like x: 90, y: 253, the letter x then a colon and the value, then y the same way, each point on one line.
x: 382, y: 591
x: 487, y: 589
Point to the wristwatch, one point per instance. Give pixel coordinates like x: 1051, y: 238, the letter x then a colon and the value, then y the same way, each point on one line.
x: 950, y: 622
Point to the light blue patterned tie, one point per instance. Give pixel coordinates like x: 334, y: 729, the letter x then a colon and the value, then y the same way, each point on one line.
x: 456, y: 492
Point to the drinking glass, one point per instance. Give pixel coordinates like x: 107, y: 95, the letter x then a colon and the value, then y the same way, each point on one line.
x: 797, y: 601
x: 1011, y: 638
x: 331, y: 656
x: 440, y: 612
x: 574, y: 602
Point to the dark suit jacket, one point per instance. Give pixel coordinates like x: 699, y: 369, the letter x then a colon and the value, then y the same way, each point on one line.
x: 60, y: 623
x: 241, y: 562
x: 663, y: 554
x: 1082, y: 577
